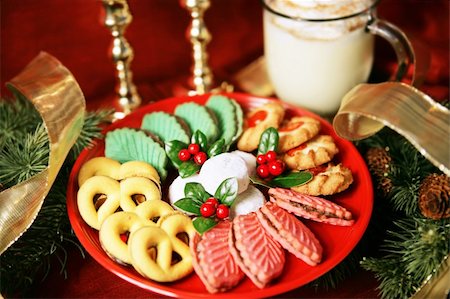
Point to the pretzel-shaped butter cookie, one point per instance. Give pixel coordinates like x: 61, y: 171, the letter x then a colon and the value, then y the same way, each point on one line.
x: 139, y: 169
x: 98, y: 166
x: 113, y: 169
x: 111, y: 230
x: 153, y: 210
x: 131, y: 187
x: 159, y: 267
x: 89, y: 197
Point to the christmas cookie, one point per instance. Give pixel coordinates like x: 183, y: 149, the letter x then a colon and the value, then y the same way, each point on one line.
x: 228, y: 118
x: 128, y: 144
x: 296, y: 131
x: 221, y: 167
x: 152, y: 251
x: 213, y: 261
x: 166, y: 126
x: 256, y: 122
x: 291, y: 233
x: 258, y: 255
x: 97, y: 198
x: 248, y: 201
x: 136, y: 190
x: 115, y: 226
x: 317, y: 151
x: 199, y: 118
x: 311, y: 207
x: 98, y: 166
x: 330, y: 180
x: 153, y: 210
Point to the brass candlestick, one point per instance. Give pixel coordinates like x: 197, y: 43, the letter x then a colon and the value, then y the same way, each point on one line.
x: 199, y: 37
x: 118, y: 17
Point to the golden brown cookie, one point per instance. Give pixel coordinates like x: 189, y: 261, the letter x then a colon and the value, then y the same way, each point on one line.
x: 98, y: 166
x: 296, y: 131
x: 256, y: 122
x: 152, y: 251
x: 112, y: 230
x: 136, y: 190
x: 317, y: 151
x: 97, y: 198
x: 333, y: 179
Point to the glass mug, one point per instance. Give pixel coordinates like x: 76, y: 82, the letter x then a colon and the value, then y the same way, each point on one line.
x: 317, y: 50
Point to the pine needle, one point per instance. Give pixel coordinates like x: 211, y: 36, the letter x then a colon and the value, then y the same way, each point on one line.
x: 24, y: 150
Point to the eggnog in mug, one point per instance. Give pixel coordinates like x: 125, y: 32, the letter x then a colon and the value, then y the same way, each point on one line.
x: 317, y: 50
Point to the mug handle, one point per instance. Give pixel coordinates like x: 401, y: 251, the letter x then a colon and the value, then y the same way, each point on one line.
x: 398, y: 40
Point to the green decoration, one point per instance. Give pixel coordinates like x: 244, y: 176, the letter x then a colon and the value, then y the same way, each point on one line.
x: 24, y: 150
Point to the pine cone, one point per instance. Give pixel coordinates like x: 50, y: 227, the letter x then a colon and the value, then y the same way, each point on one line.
x: 379, y: 163
x: 434, y: 195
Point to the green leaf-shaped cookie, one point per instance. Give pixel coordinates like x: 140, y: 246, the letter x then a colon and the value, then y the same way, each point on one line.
x: 128, y: 144
x: 225, y: 111
x: 198, y: 118
x: 165, y: 126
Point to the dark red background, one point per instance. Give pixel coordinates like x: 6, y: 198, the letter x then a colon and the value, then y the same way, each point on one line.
x: 73, y: 31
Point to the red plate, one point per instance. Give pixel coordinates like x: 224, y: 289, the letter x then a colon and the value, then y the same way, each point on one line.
x: 337, y: 241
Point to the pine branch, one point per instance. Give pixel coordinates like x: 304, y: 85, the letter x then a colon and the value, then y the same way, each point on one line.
x: 93, y: 122
x: 20, y: 159
x: 412, y: 252
x: 24, y: 154
x: 18, y: 117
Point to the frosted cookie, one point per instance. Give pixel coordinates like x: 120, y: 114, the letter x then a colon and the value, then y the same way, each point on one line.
x: 176, y: 189
x: 213, y: 261
x: 317, y: 151
x: 256, y: 122
x: 98, y: 198
x: 296, y: 131
x: 248, y: 201
x: 311, y: 207
x: 333, y: 179
x: 116, y: 225
x: 258, y: 255
x: 291, y: 233
x: 166, y: 126
x: 249, y: 159
x: 99, y: 166
x: 221, y: 167
x: 198, y: 117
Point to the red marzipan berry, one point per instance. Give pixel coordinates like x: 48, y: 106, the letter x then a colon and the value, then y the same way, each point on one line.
x: 200, y: 158
x: 263, y: 171
x: 261, y: 159
x: 184, y: 155
x: 276, y: 167
x: 271, y: 156
x: 207, y: 209
x: 193, y: 148
x: 212, y: 201
x: 222, y: 211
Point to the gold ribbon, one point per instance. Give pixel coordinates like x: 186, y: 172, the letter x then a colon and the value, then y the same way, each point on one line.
x: 425, y: 123
x: 58, y: 98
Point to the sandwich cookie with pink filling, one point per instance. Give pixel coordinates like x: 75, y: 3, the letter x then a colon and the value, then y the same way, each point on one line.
x: 311, y: 207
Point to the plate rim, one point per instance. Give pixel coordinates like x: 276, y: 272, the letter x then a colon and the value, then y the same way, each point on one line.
x: 165, y: 289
